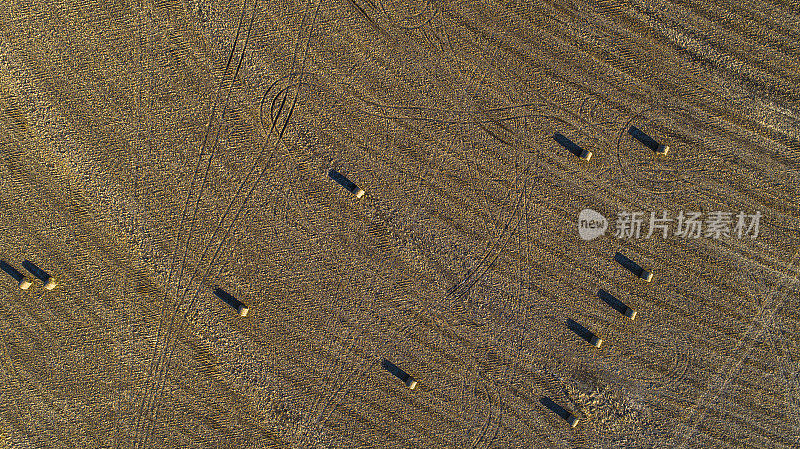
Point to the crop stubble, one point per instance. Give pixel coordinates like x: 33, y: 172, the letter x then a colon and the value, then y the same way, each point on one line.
x: 462, y: 260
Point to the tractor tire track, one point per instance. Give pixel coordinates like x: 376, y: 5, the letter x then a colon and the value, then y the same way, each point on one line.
x: 154, y: 364
x: 685, y: 432
x: 190, y: 306
x: 159, y: 365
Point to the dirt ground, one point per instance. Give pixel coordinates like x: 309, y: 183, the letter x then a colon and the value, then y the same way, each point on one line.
x: 153, y: 151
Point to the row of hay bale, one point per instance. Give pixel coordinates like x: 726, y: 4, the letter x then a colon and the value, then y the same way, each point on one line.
x: 635, y: 132
x: 23, y: 282
x: 625, y: 310
x: 589, y: 336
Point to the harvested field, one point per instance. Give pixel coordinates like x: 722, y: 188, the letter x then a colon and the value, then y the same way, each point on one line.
x: 152, y: 153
